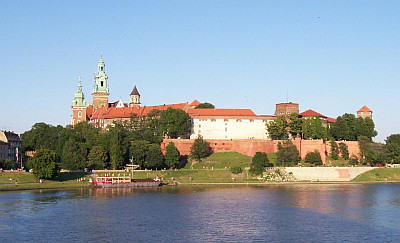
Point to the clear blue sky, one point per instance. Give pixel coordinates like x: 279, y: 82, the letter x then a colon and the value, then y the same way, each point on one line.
x: 329, y: 56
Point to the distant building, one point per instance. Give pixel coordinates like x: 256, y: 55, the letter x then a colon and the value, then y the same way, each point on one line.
x: 228, y: 124
x: 10, y: 146
x: 324, y: 119
x: 286, y: 108
x: 364, y: 112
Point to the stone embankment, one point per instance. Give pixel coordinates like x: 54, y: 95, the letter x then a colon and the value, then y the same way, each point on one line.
x: 327, y: 173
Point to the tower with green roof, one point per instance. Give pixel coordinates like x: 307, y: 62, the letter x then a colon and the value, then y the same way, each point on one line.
x: 100, y: 89
x: 78, y: 106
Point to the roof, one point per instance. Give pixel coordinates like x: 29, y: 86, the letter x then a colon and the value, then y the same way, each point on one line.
x: 126, y: 112
x: 89, y: 111
x: 221, y: 112
x: 331, y: 120
x: 364, y: 108
x: 195, y: 103
x: 134, y: 91
x: 310, y: 112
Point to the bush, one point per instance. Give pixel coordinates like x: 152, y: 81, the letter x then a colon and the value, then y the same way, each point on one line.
x: 236, y: 170
x: 287, y: 154
x: 353, y: 160
x: 259, y: 162
x: 313, y: 158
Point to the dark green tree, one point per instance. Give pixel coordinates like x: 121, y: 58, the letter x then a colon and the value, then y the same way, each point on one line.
x: 97, y: 158
x: 259, y: 162
x: 339, y: 129
x: 334, y: 150
x: 365, y: 147
x: 205, y: 105
x: 394, y: 138
x: 199, y: 149
x: 392, y: 151
x: 138, y: 151
x: 351, y: 123
x: 44, y: 164
x: 154, y: 156
x: 74, y: 155
x: 41, y: 135
x: 171, y: 155
x: 287, y: 154
x: 295, y: 124
x: 277, y: 129
x: 118, y: 146
x: 313, y: 158
x: 175, y: 123
x: 344, y: 150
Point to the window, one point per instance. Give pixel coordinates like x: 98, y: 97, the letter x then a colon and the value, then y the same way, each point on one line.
x: 226, y: 129
x: 199, y: 126
x: 79, y: 113
x: 101, y: 83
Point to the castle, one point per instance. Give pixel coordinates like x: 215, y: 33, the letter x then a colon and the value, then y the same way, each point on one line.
x: 210, y: 123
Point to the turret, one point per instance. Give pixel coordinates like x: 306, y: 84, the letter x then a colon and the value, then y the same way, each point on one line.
x: 78, y: 106
x: 134, y: 98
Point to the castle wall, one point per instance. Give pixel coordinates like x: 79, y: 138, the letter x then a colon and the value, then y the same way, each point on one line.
x: 251, y: 146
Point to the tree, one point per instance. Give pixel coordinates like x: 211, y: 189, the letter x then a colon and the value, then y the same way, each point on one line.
x: 44, y: 164
x: 287, y: 154
x: 41, y: 135
x: 277, y: 129
x: 259, y: 162
x: 154, y: 156
x: 175, y: 123
x: 205, y: 105
x: 334, y: 150
x: 339, y: 129
x: 97, y: 158
x: 74, y: 155
x: 147, y: 127
x: 118, y: 146
x: 344, y: 150
x: 295, y: 124
x: 394, y: 138
x: 364, y: 145
x: 138, y: 151
x: 313, y: 158
x: 171, y: 155
x: 199, y: 148
x: 392, y: 151
x: 313, y: 129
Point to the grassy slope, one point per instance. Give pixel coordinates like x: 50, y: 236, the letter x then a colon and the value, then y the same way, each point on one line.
x: 221, y: 160
x: 380, y: 174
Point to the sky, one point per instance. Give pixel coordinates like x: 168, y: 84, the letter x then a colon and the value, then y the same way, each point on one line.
x: 330, y: 56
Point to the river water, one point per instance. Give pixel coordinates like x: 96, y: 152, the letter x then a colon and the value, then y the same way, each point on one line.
x: 272, y: 213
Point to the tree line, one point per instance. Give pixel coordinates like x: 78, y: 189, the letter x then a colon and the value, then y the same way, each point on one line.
x: 86, y: 146
x: 346, y: 127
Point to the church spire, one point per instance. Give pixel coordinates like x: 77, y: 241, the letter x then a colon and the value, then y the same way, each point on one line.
x: 100, y: 78
x: 134, y: 98
x: 79, y: 99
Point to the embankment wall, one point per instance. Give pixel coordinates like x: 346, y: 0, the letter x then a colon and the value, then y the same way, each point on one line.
x: 327, y: 173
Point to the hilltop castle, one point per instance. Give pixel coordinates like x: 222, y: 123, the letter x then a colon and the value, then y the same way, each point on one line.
x: 210, y: 123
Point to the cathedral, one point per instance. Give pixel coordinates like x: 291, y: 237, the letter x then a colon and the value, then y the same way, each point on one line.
x: 102, y: 113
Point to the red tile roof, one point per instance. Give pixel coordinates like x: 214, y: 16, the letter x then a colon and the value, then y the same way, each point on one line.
x: 221, y: 112
x: 126, y: 112
x: 195, y: 103
x: 365, y: 108
x: 331, y: 120
x: 310, y: 112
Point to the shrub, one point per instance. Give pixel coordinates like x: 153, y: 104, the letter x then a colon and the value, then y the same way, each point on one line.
x: 259, y: 162
x: 236, y: 170
x: 313, y: 158
x: 353, y: 160
x: 287, y: 154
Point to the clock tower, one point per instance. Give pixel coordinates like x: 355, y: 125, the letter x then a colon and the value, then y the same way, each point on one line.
x: 100, y: 90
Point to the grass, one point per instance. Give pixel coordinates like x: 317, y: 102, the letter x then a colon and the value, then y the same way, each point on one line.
x: 20, y: 177
x: 221, y: 160
x: 380, y: 174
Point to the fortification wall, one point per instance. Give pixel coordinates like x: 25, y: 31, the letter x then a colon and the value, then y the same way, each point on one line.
x: 251, y: 146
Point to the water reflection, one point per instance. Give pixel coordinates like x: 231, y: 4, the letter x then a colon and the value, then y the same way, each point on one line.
x: 285, y: 212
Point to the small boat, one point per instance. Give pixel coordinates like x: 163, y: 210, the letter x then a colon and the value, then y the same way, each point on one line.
x: 124, y: 181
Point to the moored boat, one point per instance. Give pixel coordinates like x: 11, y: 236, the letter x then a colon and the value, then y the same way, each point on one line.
x: 124, y: 181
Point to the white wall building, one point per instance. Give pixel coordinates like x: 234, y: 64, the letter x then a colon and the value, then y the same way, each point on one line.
x: 228, y: 124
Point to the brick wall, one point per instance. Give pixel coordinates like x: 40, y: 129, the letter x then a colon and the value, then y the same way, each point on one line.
x: 251, y: 146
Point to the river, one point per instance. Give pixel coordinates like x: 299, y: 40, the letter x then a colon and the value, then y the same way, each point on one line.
x: 271, y: 213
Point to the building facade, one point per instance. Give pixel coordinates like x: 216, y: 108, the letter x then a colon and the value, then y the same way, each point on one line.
x: 10, y: 146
